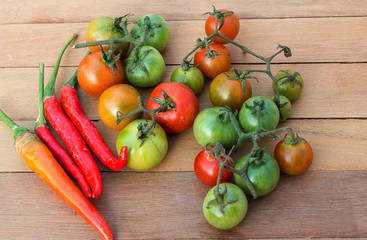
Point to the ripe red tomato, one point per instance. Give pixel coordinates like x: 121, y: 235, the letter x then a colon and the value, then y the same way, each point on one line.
x: 230, y: 28
x: 94, y: 76
x: 294, y: 154
x: 207, y: 168
x: 186, y: 107
x: 224, y: 91
x: 212, y: 67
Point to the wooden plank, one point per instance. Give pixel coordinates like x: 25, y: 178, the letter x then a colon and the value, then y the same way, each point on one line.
x: 337, y: 85
x: 68, y: 11
x: 311, y: 39
x: 317, y: 204
x: 337, y: 145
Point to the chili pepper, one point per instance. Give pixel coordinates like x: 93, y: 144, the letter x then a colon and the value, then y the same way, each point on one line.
x: 70, y: 135
x: 70, y: 102
x: 53, y: 145
x: 40, y: 160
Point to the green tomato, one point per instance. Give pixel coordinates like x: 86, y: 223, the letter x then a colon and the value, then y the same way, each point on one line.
x: 290, y: 86
x: 148, y: 155
x: 269, y: 114
x: 230, y: 212
x: 263, y: 173
x: 211, y: 126
x: 285, y: 107
x: 146, y: 71
x: 193, y: 78
x: 158, y: 31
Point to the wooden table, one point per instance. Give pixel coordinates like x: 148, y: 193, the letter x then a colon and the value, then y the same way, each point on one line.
x: 328, y: 41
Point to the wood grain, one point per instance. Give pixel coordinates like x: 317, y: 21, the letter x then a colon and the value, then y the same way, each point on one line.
x: 330, y: 41
x: 337, y: 85
x: 337, y: 145
x: 168, y: 205
x: 58, y: 11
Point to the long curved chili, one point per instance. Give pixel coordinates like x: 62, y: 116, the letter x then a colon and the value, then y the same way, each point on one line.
x: 70, y: 135
x: 40, y: 160
x: 70, y: 102
x: 53, y: 145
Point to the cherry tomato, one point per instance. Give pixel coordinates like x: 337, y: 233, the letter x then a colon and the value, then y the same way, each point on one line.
x: 285, y: 107
x: 193, y: 78
x: 147, y: 155
x: 294, y: 154
x: 101, y: 29
x: 186, y: 107
x: 211, y: 126
x: 230, y: 212
x: 119, y: 97
x: 224, y: 91
x: 158, y: 31
x: 269, y: 114
x: 94, y: 76
x: 212, y: 67
x: 230, y: 28
x: 146, y: 71
x: 207, y: 169
x: 263, y: 173
x: 291, y: 86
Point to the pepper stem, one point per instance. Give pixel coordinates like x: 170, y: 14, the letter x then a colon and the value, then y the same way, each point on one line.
x: 41, y: 120
x: 73, y: 81
x: 50, y: 87
x: 15, y: 128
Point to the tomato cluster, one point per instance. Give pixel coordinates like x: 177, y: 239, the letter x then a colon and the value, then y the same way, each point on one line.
x: 172, y: 107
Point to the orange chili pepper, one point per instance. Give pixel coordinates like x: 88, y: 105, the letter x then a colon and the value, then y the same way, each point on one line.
x: 41, y: 161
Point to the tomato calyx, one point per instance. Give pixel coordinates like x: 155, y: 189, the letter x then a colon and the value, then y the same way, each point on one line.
x: 137, y: 60
x: 218, y: 15
x: 147, y: 27
x: 166, y: 103
x: 144, y: 131
x: 292, y: 138
x: 109, y: 59
x: 290, y: 78
x: 220, y: 199
x: 241, y: 77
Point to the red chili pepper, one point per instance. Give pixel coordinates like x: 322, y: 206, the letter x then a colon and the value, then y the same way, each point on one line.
x: 53, y: 145
x: 72, y: 107
x: 70, y: 135
x: 41, y: 161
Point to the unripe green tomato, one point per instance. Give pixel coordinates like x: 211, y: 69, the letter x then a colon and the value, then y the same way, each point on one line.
x: 193, y: 78
x: 290, y: 87
x: 285, y: 108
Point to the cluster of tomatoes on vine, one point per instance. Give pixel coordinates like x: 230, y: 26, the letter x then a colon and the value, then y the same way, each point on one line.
x: 173, y: 107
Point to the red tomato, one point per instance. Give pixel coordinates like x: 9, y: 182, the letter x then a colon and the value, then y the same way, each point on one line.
x: 206, y: 168
x: 186, y: 107
x: 212, y: 67
x: 230, y: 28
x: 94, y: 76
x: 294, y: 155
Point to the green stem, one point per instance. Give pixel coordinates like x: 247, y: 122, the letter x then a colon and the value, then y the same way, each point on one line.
x: 15, y: 128
x: 50, y: 87
x: 41, y: 120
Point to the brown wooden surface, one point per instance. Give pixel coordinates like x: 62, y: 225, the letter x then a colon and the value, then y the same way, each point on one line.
x: 328, y: 41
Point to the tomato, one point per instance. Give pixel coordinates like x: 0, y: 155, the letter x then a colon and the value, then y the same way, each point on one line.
x: 294, y: 154
x: 120, y: 97
x: 146, y: 71
x: 158, y: 31
x: 224, y: 91
x: 291, y: 86
x: 186, y: 107
x: 148, y: 155
x: 94, y: 76
x: 212, y: 67
x: 206, y: 168
x: 285, y: 108
x: 193, y: 78
x: 269, y: 114
x: 263, y: 173
x: 212, y: 125
x: 101, y: 29
x: 230, y: 212
x: 230, y: 28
